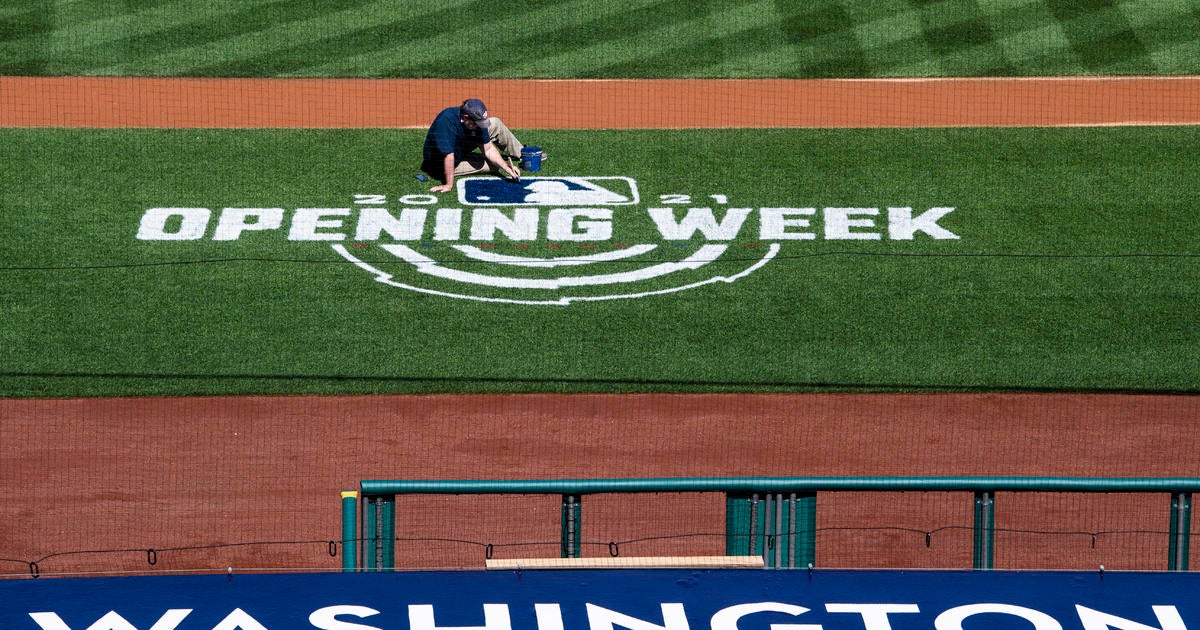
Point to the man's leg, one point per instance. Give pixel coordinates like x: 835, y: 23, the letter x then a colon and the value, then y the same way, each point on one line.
x: 503, y: 138
x: 506, y: 143
x: 474, y: 164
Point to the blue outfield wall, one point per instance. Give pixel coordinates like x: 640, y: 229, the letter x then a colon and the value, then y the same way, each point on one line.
x: 666, y: 599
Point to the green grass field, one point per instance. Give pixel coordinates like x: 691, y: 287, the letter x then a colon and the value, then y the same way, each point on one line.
x: 1076, y: 267
x: 619, y: 38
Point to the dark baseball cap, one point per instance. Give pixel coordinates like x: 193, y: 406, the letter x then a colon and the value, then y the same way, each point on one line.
x: 474, y: 109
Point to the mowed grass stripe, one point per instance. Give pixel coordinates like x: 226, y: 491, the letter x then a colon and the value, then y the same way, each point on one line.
x: 914, y: 34
x: 174, y: 50
x: 1033, y: 37
x: 80, y: 43
x: 478, y: 50
x: 80, y: 31
x: 679, y: 43
x: 1045, y: 49
x: 288, y: 48
x: 1104, y: 39
x: 1170, y: 38
x: 340, y: 35
x: 1173, y: 59
x: 618, y: 39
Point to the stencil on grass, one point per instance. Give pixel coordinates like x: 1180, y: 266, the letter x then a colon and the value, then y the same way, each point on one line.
x: 550, y: 241
x: 575, y: 209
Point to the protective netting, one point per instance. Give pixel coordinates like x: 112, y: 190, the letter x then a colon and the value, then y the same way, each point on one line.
x: 1076, y: 531
x: 161, y: 485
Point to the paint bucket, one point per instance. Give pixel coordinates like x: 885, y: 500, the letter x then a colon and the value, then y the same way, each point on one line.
x: 531, y: 159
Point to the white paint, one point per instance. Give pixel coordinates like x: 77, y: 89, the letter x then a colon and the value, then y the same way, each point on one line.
x: 874, y: 616
x: 374, y: 222
x: 953, y: 619
x: 699, y: 220
x: 435, y: 268
x: 193, y: 223
x: 111, y: 621
x: 1168, y: 619
x: 727, y: 618
x: 559, y: 300
x: 781, y: 224
x: 327, y: 618
x: 674, y: 618
x: 495, y: 617
x: 558, y: 261
x: 903, y: 226
x: 840, y: 226
x: 234, y: 221
x: 308, y: 224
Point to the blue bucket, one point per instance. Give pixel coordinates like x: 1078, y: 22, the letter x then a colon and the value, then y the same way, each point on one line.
x: 531, y: 159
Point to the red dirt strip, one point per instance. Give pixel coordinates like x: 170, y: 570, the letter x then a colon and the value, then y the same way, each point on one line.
x: 600, y: 104
x: 139, y: 473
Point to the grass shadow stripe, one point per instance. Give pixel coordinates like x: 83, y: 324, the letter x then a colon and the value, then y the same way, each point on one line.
x: 1100, y: 35
x: 803, y: 22
x: 24, y: 42
x: 583, y: 39
x: 959, y: 36
x: 87, y: 46
x: 698, y: 57
x: 344, y: 34
x: 73, y: 33
x: 172, y: 50
x: 474, y: 42
x: 663, y: 46
x: 1170, y: 40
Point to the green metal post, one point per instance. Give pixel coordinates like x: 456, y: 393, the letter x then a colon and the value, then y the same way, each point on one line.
x: 806, y: 528
x: 1181, y: 531
x: 738, y: 541
x: 388, y: 530
x: 349, y: 531
x: 749, y: 535
x: 370, y: 533
x: 985, y: 525
x: 571, y: 511
x: 781, y: 527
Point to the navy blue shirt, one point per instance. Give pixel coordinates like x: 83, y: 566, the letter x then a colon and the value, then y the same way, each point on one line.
x: 448, y: 135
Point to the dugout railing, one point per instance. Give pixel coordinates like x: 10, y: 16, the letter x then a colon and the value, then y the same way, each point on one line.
x: 770, y: 517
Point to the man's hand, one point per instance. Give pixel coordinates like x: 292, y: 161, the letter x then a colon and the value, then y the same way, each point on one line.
x: 448, y: 169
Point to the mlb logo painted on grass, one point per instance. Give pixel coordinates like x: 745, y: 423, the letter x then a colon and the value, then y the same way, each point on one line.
x: 549, y: 191
x: 551, y: 240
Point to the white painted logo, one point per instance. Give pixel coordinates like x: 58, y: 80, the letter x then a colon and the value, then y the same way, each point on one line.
x: 550, y: 240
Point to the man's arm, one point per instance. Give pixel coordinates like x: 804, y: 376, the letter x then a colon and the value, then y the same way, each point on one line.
x: 497, y: 160
x: 448, y: 171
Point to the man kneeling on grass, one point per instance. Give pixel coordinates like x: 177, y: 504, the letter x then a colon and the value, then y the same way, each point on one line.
x: 464, y: 140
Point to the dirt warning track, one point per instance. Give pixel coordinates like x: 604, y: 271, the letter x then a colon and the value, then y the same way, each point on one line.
x: 188, y: 476
x: 600, y: 104
x: 253, y: 482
